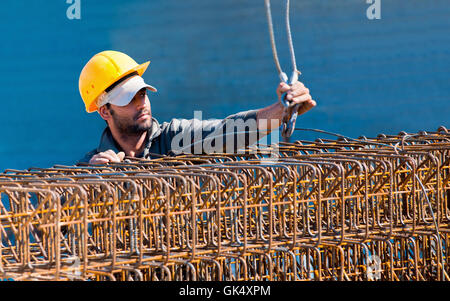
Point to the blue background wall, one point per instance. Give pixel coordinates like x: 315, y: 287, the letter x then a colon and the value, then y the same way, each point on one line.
x: 368, y: 77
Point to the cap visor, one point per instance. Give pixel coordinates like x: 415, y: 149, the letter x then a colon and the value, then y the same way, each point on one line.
x: 124, y: 93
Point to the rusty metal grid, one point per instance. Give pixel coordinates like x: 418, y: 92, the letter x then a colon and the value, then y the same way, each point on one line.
x: 347, y: 209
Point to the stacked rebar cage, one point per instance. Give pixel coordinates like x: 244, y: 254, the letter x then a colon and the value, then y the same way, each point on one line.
x: 363, y: 209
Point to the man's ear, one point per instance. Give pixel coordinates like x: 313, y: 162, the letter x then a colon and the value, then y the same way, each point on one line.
x: 104, y: 112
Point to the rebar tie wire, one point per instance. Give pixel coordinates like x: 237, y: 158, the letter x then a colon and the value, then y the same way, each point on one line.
x: 290, y: 110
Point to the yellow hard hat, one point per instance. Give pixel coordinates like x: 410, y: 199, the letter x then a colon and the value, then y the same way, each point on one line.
x: 103, y: 70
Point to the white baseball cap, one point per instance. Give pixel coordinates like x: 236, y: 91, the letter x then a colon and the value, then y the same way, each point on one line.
x: 124, y: 92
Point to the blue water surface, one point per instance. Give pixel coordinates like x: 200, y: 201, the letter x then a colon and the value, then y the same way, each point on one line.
x: 368, y: 76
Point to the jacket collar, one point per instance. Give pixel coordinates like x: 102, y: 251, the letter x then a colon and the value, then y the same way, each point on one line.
x: 107, y: 140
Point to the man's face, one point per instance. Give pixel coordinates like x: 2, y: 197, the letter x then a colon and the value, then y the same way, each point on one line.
x: 134, y: 118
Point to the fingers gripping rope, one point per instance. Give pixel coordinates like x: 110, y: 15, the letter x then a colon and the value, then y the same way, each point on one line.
x: 290, y: 110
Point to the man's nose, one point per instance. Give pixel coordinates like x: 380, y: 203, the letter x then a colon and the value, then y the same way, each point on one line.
x: 140, y: 101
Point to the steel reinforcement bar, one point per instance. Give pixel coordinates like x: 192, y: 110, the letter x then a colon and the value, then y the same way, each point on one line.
x: 346, y: 209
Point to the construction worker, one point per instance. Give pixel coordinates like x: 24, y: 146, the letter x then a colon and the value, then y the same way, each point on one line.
x: 111, y: 84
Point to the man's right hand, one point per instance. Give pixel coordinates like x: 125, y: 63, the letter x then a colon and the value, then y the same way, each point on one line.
x: 107, y: 156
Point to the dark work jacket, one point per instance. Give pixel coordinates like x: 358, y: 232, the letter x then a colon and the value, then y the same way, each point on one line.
x: 196, y: 136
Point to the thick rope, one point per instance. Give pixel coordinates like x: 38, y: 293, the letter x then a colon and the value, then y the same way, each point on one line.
x: 282, y: 75
x: 295, y: 72
x: 290, y: 110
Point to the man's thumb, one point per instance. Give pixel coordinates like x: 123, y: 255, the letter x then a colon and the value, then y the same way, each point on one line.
x: 121, y: 155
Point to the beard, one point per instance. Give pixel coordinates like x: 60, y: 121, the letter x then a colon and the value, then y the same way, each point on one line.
x: 131, y: 127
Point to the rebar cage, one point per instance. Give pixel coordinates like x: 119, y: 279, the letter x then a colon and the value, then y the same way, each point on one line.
x: 361, y: 209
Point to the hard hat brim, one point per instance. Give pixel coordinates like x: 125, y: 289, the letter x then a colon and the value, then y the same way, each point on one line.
x: 141, y: 68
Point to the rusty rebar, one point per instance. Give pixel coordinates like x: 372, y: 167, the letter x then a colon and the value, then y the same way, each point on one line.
x: 345, y: 209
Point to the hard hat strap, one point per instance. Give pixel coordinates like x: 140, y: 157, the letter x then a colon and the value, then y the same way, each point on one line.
x: 115, y: 84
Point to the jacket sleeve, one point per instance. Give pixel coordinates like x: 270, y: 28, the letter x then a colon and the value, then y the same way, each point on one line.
x: 231, y: 135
